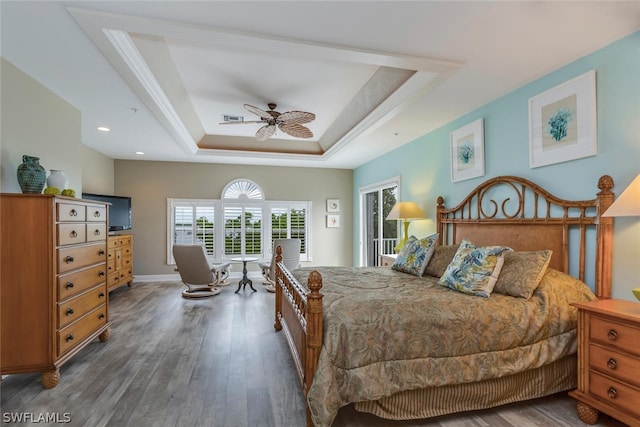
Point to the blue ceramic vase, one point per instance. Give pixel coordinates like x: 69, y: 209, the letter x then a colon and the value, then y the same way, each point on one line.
x: 31, y: 175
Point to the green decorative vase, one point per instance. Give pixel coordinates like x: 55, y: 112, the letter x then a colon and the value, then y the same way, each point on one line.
x: 31, y: 175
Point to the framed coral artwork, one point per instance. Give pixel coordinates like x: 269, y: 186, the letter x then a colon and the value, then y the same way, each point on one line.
x: 467, y: 151
x: 562, y: 122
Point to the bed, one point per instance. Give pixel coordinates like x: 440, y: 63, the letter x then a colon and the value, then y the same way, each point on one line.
x: 402, y: 346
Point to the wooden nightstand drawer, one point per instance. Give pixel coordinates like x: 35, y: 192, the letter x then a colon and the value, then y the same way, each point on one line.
x: 616, y: 393
x: 387, y: 260
x: 610, y: 333
x: 614, y: 364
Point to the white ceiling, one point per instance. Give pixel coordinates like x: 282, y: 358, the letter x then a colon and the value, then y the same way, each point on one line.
x: 377, y: 74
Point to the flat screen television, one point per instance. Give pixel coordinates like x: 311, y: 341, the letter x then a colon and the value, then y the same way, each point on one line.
x: 119, y: 210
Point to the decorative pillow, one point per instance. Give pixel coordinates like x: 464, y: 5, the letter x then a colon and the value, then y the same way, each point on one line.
x: 522, y: 272
x: 474, y: 270
x: 442, y: 257
x: 415, y: 255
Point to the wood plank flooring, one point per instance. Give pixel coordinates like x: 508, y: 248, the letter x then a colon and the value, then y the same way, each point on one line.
x: 216, y: 362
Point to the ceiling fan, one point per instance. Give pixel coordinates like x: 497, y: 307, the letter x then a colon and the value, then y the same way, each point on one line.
x: 289, y: 122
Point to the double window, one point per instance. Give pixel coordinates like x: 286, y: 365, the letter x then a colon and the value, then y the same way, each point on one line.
x: 241, y: 223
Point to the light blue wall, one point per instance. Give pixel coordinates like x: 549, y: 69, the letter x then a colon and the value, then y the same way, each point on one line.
x: 424, y: 167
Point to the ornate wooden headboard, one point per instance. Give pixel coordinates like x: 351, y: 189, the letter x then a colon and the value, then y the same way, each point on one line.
x: 515, y: 212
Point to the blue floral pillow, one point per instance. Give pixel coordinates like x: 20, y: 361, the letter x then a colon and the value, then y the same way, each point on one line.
x: 474, y: 270
x: 415, y: 255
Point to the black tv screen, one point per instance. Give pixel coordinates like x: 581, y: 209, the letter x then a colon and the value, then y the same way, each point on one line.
x: 119, y: 210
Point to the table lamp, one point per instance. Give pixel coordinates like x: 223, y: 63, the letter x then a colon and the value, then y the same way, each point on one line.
x: 405, y: 211
x: 627, y: 204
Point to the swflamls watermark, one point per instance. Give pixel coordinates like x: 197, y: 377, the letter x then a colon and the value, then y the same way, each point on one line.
x: 36, y: 417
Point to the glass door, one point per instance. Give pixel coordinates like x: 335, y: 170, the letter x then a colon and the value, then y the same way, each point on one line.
x: 379, y: 235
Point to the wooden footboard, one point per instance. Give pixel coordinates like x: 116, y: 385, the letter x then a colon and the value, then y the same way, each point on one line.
x: 299, y: 314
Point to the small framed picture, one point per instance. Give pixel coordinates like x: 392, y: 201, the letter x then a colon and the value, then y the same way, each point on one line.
x: 562, y: 122
x: 333, y: 205
x: 467, y: 151
x: 333, y: 221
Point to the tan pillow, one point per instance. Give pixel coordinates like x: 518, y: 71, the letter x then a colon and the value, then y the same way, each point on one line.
x: 440, y: 259
x: 522, y: 272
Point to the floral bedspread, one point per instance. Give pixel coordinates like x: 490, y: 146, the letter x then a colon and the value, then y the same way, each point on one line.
x: 387, y: 331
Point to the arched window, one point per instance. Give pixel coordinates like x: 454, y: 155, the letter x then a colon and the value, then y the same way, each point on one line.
x: 241, y: 223
x: 242, y: 189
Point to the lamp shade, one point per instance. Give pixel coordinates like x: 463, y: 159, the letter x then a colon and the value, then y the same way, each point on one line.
x: 628, y: 203
x: 406, y: 210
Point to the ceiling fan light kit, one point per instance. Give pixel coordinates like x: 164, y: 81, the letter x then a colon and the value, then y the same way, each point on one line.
x: 290, y: 122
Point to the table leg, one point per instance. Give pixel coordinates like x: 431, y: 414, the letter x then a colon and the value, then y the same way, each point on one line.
x: 245, y: 280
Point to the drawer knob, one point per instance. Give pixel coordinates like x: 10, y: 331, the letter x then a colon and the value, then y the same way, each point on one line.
x: 101, y: 316
x: 101, y: 252
x: 73, y: 234
x: 69, y: 285
x: 101, y: 295
x: 612, y: 335
x: 612, y: 364
x: 100, y: 273
x: 69, y: 311
x: 96, y: 232
x: 612, y: 393
x: 69, y: 259
x: 69, y: 337
x: 73, y: 212
x: 96, y: 214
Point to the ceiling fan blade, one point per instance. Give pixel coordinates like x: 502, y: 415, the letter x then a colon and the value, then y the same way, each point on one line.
x: 258, y: 111
x: 265, y: 132
x: 242, y: 122
x: 295, y: 130
x: 299, y: 117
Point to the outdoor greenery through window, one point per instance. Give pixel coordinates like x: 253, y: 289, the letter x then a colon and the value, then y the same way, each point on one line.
x: 241, y: 223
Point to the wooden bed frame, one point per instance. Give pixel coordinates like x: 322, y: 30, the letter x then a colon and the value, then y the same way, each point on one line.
x: 505, y: 210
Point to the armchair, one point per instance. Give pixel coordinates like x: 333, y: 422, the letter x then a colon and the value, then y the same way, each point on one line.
x: 290, y: 258
x: 200, y: 278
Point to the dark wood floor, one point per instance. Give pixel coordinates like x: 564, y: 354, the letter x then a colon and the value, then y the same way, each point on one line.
x: 215, y: 362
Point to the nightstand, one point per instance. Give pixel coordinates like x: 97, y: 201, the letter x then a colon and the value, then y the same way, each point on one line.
x: 608, y: 360
x: 387, y: 260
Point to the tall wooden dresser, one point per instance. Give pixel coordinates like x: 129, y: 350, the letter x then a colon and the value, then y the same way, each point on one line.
x: 53, y: 293
x: 119, y: 260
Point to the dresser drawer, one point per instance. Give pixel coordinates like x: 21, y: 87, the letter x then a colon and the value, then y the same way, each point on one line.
x: 117, y: 241
x: 78, y: 281
x: 82, y: 328
x: 96, y: 232
x: 621, y: 395
x: 76, y: 307
x: 97, y: 214
x: 71, y: 233
x: 70, y: 212
x: 77, y: 257
x: 615, y: 364
x: 614, y: 334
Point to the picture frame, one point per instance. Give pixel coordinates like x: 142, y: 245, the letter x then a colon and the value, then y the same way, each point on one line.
x: 563, y: 122
x: 333, y: 221
x: 333, y: 205
x: 467, y: 151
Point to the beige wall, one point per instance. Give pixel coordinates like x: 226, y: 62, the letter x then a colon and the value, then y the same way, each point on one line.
x: 37, y: 122
x: 151, y: 183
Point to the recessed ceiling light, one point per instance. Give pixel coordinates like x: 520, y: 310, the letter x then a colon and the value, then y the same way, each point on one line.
x: 103, y: 128
x: 140, y: 153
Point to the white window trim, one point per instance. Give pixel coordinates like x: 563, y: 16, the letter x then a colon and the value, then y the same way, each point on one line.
x: 219, y: 205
